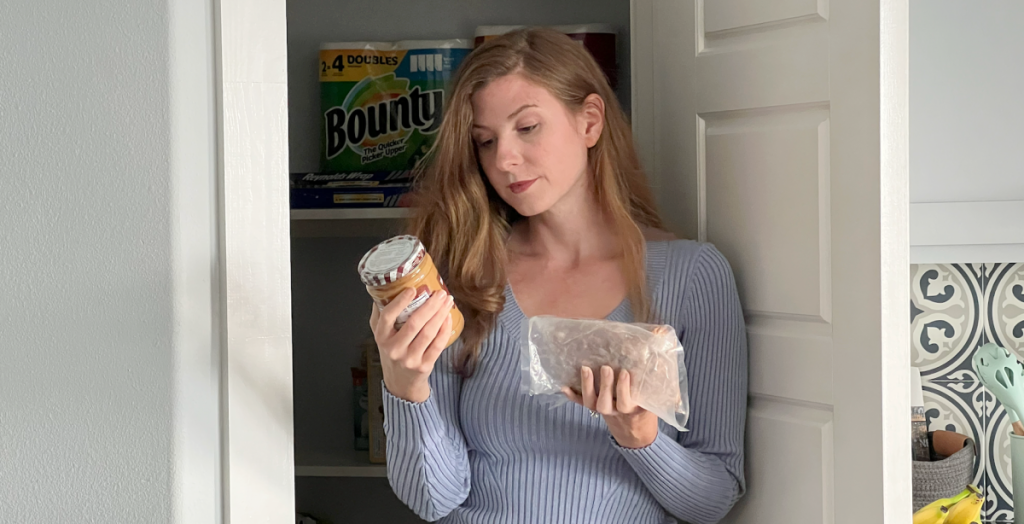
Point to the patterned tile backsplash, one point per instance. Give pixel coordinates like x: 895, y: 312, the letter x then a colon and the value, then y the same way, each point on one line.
x: 954, y: 309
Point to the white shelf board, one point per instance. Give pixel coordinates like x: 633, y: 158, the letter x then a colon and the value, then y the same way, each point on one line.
x: 350, y: 214
x: 351, y: 463
x: 967, y: 223
x: 961, y: 232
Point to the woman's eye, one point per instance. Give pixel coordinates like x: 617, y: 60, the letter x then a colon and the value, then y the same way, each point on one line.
x: 484, y: 143
x: 528, y: 128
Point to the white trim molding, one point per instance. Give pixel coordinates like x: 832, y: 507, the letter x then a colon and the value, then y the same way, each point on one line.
x: 258, y: 465
x: 949, y: 232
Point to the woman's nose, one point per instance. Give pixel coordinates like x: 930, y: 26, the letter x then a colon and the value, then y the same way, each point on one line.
x: 508, y: 155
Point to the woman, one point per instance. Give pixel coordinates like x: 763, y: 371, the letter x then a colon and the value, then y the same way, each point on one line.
x: 535, y: 203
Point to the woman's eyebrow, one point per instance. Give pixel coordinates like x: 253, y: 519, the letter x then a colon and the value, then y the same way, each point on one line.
x: 522, y: 108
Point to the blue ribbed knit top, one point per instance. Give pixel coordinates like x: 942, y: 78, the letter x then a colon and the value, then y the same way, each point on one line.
x: 481, y: 451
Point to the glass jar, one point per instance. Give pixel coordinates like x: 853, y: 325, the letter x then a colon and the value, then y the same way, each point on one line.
x: 403, y: 262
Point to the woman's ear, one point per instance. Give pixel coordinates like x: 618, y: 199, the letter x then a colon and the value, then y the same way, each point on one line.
x: 591, y: 119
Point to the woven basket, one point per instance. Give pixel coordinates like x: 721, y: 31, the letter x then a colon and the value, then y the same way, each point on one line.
x: 943, y: 478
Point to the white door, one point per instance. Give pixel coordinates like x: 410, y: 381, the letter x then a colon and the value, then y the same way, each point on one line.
x: 776, y: 129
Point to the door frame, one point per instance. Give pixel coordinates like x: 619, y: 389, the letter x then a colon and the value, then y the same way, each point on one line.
x: 256, y: 443
x: 257, y: 456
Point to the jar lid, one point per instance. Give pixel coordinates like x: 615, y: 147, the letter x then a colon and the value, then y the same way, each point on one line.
x: 391, y: 260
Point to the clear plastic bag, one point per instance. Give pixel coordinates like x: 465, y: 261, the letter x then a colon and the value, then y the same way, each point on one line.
x: 554, y: 350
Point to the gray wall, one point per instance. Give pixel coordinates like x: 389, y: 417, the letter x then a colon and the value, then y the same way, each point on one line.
x: 107, y: 385
x: 311, y: 22
x: 966, y: 107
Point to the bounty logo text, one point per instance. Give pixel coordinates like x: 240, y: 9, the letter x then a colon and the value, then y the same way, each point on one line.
x: 376, y: 123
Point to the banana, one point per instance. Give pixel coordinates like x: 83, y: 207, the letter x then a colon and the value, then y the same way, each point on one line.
x: 966, y: 511
x: 931, y: 514
x: 937, y: 512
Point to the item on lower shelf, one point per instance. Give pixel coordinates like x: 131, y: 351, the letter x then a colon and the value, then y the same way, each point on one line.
x: 384, y: 195
x: 360, y: 417
x: 349, y: 179
x: 599, y: 39
x: 375, y: 405
x: 304, y: 518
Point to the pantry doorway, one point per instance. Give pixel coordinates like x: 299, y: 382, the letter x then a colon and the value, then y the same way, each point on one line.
x: 776, y: 129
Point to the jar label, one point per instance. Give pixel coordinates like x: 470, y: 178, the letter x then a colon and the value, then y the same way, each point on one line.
x: 420, y: 299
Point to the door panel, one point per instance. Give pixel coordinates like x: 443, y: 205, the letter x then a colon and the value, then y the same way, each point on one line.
x: 796, y: 439
x: 723, y: 15
x: 767, y: 130
x: 778, y: 347
x: 782, y: 63
x: 785, y: 273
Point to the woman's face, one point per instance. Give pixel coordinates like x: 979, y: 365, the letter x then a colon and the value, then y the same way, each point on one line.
x: 533, y: 149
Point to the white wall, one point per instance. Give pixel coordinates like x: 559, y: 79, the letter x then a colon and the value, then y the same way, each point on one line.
x: 108, y: 394
x: 966, y: 107
x: 311, y: 22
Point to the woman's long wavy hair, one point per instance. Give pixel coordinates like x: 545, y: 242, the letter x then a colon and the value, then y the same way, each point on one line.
x: 463, y: 222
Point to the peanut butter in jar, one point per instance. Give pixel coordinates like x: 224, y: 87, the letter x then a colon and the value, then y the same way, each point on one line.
x: 403, y: 262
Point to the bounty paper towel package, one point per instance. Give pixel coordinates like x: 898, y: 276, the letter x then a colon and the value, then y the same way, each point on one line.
x: 381, y: 103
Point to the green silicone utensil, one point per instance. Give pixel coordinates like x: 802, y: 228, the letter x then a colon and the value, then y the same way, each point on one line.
x: 1003, y: 375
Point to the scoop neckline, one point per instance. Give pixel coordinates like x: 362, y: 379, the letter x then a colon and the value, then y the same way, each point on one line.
x: 510, y: 298
x: 512, y: 316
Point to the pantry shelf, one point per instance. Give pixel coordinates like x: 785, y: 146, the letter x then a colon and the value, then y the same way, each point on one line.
x: 351, y: 464
x: 350, y: 214
x: 335, y: 223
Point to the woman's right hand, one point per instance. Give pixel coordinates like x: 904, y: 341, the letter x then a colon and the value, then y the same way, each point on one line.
x: 407, y: 355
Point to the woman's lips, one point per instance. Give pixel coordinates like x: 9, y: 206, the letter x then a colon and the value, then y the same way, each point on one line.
x: 519, y: 187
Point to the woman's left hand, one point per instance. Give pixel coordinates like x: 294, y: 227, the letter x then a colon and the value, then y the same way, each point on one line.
x: 630, y: 425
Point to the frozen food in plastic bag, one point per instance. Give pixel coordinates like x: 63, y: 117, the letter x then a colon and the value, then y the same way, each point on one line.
x: 554, y: 350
